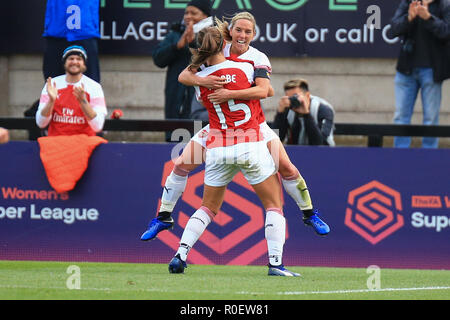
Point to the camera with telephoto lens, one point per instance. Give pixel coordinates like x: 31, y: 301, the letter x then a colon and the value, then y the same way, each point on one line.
x: 294, y: 102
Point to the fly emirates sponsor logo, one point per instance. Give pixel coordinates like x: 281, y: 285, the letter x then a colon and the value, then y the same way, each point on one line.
x: 68, y: 117
x: 35, y: 211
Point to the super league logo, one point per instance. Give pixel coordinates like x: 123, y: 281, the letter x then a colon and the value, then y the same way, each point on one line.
x: 374, y: 211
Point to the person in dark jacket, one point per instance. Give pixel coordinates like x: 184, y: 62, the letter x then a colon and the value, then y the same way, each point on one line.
x: 173, y: 52
x: 302, y: 118
x: 423, y: 63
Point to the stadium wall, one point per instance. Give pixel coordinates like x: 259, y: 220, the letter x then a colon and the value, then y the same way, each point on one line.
x: 386, y: 207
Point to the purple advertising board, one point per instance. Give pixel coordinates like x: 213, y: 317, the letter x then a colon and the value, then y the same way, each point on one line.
x: 386, y: 207
x: 319, y: 28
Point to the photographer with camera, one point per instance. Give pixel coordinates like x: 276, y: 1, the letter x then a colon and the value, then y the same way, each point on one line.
x: 423, y: 63
x: 173, y: 52
x: 302, y: 118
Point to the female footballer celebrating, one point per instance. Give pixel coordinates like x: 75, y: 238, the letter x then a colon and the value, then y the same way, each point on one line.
x: 234, y: 144
x: 239, y: 33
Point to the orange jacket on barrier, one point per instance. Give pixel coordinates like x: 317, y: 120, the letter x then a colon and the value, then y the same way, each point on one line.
x: 66, y: 158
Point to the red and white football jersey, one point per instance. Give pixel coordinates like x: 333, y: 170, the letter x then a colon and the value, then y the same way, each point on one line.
x: 234, y: 121
x: 258, y: 59
x: 67, y: 117
x: 253, y: 55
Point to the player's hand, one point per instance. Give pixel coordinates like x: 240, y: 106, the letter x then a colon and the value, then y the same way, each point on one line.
x: 219, y: 96
x: 213, y: 82
x: 51, y: 90
x: 283, y: 104
x: 187, y: 37
x: 79, y: 93
x: 412, y: 11
x: 422, y: 10
x: 189, y: 33
x: 4, y: 135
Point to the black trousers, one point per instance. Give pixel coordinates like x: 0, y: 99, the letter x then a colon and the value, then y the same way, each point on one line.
x: 54, y: 48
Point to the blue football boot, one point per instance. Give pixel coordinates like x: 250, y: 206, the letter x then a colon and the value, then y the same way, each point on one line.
x: 281, y: 271
x: 176, y: 265
x: 319, y: 226
x: 156, y: 226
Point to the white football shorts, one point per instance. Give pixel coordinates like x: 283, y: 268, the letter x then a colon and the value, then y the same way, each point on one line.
x: 252, y: 159
x: 202, y: 135
x: 268, y: 133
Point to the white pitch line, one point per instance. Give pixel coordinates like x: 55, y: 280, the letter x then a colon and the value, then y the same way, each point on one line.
x: 240, y: 292
x: 361, y: 290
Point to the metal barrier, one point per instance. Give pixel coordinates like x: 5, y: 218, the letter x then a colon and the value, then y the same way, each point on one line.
x: 374, y: 132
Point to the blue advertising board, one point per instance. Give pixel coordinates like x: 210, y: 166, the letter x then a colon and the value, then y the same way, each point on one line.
x: 386, y: 207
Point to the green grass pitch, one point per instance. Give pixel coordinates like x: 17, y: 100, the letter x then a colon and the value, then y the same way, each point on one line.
x: 110, y: 281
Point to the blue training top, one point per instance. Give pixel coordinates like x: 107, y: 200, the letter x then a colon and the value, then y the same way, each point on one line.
x: 72, y: 19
